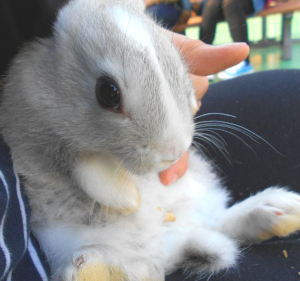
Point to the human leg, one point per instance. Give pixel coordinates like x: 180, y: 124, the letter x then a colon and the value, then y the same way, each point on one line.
x: 266, y: 103
x: 212, y: 14
x: 235, y: 13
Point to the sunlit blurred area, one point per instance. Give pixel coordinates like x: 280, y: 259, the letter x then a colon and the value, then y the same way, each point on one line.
x: 266, y: 51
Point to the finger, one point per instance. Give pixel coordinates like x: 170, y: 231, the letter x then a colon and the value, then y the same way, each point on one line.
x: 216, y: 58
x: 204, y: 59
x: 200, y: 84
x: 176, y: 171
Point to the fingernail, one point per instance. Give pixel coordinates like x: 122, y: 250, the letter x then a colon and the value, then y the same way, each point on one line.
x: 236, y: 45
x: 239, y: 45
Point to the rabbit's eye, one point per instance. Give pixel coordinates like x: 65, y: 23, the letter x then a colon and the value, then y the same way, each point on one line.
x: 108, y: 94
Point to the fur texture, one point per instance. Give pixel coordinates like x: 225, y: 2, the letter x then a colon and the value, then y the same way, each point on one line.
x: 99, y: 210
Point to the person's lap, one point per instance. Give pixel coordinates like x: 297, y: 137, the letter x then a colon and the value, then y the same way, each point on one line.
x: 266, y: 103
x: 167, y: 15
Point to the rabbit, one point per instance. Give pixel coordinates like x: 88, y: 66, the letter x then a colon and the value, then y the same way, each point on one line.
x: 92, y: 114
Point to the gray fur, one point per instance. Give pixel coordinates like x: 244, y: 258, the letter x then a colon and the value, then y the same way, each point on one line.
x: 71, y: 152
x: 49, y: 113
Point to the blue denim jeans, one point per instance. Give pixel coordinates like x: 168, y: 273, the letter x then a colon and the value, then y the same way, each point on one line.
x: 167, y: 15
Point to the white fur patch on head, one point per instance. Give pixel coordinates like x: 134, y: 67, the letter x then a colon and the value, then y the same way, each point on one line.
x: 131, y: 26
x: 137, y: 36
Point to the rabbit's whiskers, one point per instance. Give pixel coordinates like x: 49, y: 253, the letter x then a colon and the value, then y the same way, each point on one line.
x: 208, y: 132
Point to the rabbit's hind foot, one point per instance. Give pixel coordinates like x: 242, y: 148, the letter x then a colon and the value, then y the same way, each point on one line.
x: 98, y: 263
x: 101, y: 272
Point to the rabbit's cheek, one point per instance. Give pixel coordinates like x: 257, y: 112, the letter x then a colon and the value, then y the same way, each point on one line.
x: 104, y: 179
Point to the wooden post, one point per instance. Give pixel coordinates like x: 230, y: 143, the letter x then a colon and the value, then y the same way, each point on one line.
x: 286, y: 36
x: 264, y: 30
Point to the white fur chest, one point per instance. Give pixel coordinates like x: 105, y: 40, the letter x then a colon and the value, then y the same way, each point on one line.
x: 168, y: 214
x: 197, y: 198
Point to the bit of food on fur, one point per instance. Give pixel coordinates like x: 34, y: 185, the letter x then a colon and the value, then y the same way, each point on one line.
x: 169, y: 217
x: 285, y: 253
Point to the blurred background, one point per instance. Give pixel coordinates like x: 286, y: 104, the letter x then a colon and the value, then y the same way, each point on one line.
x: 268, y: 56
x: 270, y: 27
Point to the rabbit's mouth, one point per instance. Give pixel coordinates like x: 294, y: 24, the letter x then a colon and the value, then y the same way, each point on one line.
x: 165, y: 164
x: 144, y: 164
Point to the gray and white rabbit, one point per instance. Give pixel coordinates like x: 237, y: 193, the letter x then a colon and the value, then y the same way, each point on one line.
x: 92, y: 115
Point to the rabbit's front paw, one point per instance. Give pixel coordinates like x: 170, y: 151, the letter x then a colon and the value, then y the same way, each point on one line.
x: 131, y: 202
x: 96, y: 263
x: 282, y: 209
x: 107, y: 182
x: 273, y: 212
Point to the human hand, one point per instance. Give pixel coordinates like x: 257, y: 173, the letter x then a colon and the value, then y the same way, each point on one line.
x: 184, y: 16
x: 202, y: 60
x: 149, y: 3
x: 196, y: 4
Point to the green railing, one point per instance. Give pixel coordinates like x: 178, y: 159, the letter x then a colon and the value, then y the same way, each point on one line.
x: 274, y: 29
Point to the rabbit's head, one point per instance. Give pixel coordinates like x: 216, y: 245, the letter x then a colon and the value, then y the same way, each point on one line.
x: 109, y: 82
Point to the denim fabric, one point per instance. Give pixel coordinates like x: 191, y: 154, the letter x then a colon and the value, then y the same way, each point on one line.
x: 167, y: 15
x: 266, y: 103
x: 258, y: 5
x: 186, y: 5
